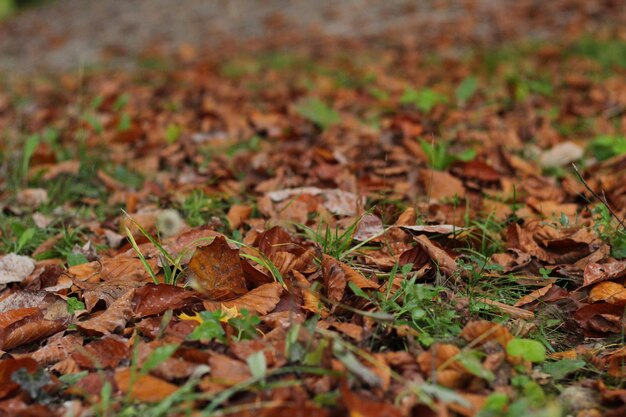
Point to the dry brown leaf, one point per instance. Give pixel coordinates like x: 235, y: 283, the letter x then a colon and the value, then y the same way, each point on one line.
x: 310, y: 300
x: 611, y: 292
x: 603, y: 272
x: 237, y: 215
x: 441, y: 185
x: 143, y: 387
x: 216, y: 271
x: 227, y: 371
x: 110, y: 320
x: 152, y: 299
x: 445, y: 262
x: 481, y: 331
x: 335, y: 280
x: 261, y: 300
x: 357, y: 278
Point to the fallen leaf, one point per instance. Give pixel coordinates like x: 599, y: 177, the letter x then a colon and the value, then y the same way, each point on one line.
x: 146, y: 388
x: 611, y: 292
x: 216, y: 271
x: 15, y: 268
x: 153, y: 299
x: 445, y: 262
x: 334, y: 277
x: 261, y: 300
x: 481, y: 331
x: 238, y: 214
x: 110, y: 320
x: 603, y: 272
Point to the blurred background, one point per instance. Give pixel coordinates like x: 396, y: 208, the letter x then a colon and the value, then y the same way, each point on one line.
x: 40, y: 35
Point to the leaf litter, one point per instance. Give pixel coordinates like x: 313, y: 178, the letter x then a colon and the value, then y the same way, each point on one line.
x: 384, y: 236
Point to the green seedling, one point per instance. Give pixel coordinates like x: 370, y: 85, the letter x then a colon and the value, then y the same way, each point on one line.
x: 440, y: 157
x: 318, y: 112
x: 424, y: 99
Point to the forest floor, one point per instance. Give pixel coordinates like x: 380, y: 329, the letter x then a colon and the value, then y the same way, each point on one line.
x: 358, y: 227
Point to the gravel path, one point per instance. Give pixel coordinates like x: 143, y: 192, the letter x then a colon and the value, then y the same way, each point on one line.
x: 65, y: 34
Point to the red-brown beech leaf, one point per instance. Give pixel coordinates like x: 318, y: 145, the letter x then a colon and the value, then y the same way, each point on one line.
x: 107, y: 352
x: 600, y: 318
x: 274, y: 240
x: 603, y: 272
x: 335, y: 280
x: 261, y: 300
x: 253, y: 276
x: 110, y: 320
x: 366, y: 406
x: 216, y: 271
x: 447, y: 265
x: 26, y: 325
x: 7, y: 367
x: 152, y: 299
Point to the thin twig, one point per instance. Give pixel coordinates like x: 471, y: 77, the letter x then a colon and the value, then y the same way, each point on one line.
x: 601, y: 199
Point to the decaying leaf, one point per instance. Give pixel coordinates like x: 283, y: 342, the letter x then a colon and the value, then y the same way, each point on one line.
x: 110, y: 320
x: 216, y: 271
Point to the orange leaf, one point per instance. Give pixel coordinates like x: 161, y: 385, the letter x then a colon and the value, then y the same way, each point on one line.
x: 145, y: 387
x: 261, y: 300
x: 486, y: 331
x: 609, y: 291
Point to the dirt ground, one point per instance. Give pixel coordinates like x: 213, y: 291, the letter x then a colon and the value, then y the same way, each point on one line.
x: 68, y: 34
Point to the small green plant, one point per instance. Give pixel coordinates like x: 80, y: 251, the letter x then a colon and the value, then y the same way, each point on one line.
x: 27, y: 153
x: 607, y: 228
x: 605, y: 147
x: 424, y: 99
x: 74, y: 305
x: 198, y: 207
x: 318, y: 112
x: 172, y: 133
x: 466, y: 90
x: 440, y: 157
x: 528, y: 349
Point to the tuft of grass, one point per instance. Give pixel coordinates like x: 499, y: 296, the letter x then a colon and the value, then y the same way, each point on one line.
x: 318, y: 112
x: 424, y: 99
x: 440, y: 157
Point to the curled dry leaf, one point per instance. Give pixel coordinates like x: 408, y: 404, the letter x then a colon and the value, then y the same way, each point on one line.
x: 110, y: 320
x: 600, y: 318
x: 357, y: 278
x: 335, y: 280
x: 26, y: 325
x: 108, y: 292
x: 603, y: 272
x: 445, y: 262
x: 216, y: 271
x: 483, y: 331
x: 146, y: 388
x: 261, y: 300
x: 310, y: 300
